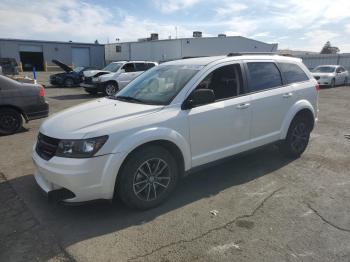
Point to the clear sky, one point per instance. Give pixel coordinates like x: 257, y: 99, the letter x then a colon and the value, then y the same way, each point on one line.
x: 293, y: 24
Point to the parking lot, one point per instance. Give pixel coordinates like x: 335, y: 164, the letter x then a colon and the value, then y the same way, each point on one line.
x: 256, y: 207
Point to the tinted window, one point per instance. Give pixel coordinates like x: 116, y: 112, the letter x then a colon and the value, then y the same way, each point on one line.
x: 150, y: 65
x: 140, y: 67
x: 129, y: 67
x: 293, y: 73
x: 225, y: 81
x: 263, y: 75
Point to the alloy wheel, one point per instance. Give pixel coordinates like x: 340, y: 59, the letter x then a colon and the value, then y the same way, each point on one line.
x: 9, y: 122
x: 151, y: 179
x: 299, y: 137
x: 111, y: 89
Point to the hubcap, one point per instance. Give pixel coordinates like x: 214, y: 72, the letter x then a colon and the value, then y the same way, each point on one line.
x: 299, y: 137
x: 110, y: 89
x: 151, y: 179
x: 8, y: 122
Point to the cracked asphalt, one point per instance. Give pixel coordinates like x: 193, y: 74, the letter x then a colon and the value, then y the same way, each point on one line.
x: 269, y: 208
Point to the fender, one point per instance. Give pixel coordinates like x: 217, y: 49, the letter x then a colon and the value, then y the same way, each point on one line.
x: 298, y: 106
x: 128, y: 144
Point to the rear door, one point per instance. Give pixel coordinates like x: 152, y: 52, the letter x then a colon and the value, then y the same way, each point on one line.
x: 270, y: 100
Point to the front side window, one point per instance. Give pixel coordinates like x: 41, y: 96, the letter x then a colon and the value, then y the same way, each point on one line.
x: 225, y: 82
x: 129, y: 67
x: 158, y: 85
x: 263, y: 75
x: 293, y: 73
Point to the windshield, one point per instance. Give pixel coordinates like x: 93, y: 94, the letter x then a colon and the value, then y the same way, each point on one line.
x: 78, y: 69
x: 324, y: 69
x: 112, y: 67
x: 159, y: 85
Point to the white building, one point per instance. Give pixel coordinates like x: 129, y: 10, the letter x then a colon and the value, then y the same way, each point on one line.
x: 171, y: 49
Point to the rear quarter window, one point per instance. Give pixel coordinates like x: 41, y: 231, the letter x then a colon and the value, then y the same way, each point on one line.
x: 292, y: 73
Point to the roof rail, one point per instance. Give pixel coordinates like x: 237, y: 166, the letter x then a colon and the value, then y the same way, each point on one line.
x: 251, y: 53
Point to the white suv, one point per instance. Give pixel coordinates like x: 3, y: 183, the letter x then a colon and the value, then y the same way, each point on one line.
x: 174, y: 117
x: 114, y: 77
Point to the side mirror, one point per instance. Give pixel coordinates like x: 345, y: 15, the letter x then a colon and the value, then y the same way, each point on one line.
x: 199, y: 97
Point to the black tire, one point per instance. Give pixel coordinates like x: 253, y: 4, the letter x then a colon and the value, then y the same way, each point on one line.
x: 110, y: 89
x: 332, y: 85
x: 131, y: 186
x: 69, y: 82
x: 10, y: 121
x: 298, y: 137
x: 345, y: 81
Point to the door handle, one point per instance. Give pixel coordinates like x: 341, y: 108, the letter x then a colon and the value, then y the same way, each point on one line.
x: 286, y: 95
x: 243, y: 106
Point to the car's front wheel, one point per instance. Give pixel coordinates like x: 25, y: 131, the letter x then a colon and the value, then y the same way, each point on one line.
x: 332, y: 85
x: 298, y: 137
x: 111, y: 89
x: 10, y: 121
x: 147, y: 178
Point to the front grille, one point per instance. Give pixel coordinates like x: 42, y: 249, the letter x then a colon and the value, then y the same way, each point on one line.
x: 46, y: 146
x: 317, y: 77
x: 88, y: 80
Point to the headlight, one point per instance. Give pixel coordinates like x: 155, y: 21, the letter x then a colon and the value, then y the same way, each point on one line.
x: 96, y: 79
x: 81, y: 148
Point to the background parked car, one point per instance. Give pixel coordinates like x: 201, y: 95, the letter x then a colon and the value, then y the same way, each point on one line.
x: 112, y: 82
x: 330, y: 75
x: 9, y: 66
x: 18, y: 101
x: 70, y: 77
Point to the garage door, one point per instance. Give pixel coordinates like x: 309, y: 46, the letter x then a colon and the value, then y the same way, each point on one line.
x: 81, y: 56
x: 31, y: 56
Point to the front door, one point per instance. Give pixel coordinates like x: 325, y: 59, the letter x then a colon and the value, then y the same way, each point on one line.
x: 221, y: 128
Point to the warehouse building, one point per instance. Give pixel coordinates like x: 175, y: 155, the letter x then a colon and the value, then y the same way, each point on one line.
x: 170, y: 49
x: 39, y: 54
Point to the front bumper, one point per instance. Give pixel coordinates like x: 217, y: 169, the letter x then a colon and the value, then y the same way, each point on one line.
x: 56, y: 81
x: 96, y: 87
x: 87, y: 178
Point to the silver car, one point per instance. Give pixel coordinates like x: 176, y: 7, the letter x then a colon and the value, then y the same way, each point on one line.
x: 330, y: 75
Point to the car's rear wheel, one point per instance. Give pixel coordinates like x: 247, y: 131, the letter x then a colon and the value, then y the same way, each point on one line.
x: 69, y: 82
x: 10, y: 121
x: 298, y: 137
x: 147, y: 178
x: 111, y: 89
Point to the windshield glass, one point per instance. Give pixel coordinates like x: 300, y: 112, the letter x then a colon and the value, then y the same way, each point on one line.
x: 159, y: 85
x: 112, y: 67
x: 78, y: 69
x: 324, y: 69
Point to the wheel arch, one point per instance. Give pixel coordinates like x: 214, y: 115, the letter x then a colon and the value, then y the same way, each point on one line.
x: 18, y: 109
x: 302, y: 107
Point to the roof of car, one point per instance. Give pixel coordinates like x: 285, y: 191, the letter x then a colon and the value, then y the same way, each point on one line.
x: 133, y: 62
x: 209, y: 59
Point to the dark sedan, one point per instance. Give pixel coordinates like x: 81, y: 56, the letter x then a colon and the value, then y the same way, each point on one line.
x: 70, y: 77
x: 20, y: 101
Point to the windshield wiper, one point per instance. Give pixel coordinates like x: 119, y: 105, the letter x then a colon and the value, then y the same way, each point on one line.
x: 128, y: 98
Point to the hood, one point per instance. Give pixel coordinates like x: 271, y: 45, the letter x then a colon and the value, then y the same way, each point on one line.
x: 63, y: 66
x: 90, y: 73
x: 93, y: 118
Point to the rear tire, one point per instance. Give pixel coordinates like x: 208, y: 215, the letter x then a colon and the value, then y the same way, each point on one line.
x: 147, y: 177
x: 10, y: 121
x: 298, y: 137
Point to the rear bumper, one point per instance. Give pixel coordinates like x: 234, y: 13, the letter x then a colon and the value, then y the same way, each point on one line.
x: 38, y: 111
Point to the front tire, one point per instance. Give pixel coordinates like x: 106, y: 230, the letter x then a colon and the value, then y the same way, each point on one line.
x: 298, y: 137
x: 147, y: 178
x: 345, y: 81
x: 111, y: 89
x: 10, y: 121
x: 69, y: 82
x: 332, y: 83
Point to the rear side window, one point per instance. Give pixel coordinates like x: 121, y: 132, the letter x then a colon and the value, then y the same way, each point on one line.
x: 293, y: 73
x: 263, y: 75
x: 129, y: 67
x: 140, y: 67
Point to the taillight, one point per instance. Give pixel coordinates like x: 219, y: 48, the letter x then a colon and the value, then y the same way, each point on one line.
x: 42, y: 91
x: 317, y: 86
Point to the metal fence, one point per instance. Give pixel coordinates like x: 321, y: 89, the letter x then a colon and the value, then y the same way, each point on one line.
x: 314, y: 60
